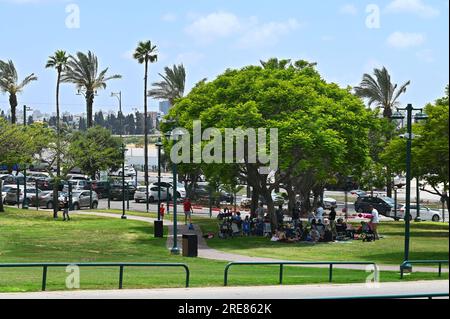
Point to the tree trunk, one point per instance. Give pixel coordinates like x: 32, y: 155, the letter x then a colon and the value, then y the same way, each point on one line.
x: 58, y: 153
x: 146, y: 131
x: 89, y: 108
x: 2, y: 209
x: 13, y: 103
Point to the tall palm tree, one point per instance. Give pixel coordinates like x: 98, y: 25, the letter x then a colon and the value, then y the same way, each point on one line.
x: 82, y: 70
x: 381, y: 91
x: 173, y: 85
x: 9, y: 83
x: 59, y: 62
x: 146, y: 53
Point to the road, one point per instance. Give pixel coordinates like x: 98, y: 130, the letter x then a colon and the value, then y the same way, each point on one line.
x: 237, y: 294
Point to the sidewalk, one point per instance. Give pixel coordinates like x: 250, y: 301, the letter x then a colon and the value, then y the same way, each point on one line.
x: 213, y: 254
x: 247, y: 293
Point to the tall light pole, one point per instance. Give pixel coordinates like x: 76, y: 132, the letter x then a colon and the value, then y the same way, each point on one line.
x: 409, y: 138
x: 159, y: 224
x: 175, y: 135
x: 119, y: 97
x: 25, y: 200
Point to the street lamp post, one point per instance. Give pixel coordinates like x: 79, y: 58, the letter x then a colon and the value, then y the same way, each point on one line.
x: 159, y: 145
x: 25, y: 199
x: 175, y: 250
x: 409, y: 137
x: 118, y: 95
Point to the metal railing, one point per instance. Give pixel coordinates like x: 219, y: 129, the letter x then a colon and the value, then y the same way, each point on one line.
x: 296, y: 263
x: 408, y: 264
x: 121, y: 266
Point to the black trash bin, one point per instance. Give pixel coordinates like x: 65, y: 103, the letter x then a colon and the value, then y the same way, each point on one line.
x: 190, y: 245
x: 159, y: 229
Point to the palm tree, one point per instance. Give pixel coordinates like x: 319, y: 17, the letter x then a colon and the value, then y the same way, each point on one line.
x: 146, y: 53
x: 59, y: 62
x: 9, y: 83
x: 381, y: 91
x: 173, y: 84
x: 82, y: 71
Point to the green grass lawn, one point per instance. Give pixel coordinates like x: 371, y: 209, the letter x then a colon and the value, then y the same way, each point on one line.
x: 30, y: 236
x: 428, y: 241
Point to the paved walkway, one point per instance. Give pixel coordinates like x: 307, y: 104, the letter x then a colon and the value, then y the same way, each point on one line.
x: 208, y: 253
x: 246, y: 293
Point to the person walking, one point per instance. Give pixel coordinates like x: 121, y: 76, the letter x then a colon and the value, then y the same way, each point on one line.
x: 375, y: 221
x: 162, y: 211
x: 66, y: 209
x: 188, y: 211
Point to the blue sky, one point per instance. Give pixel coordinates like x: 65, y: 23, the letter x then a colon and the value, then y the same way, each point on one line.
x: 209, y: 36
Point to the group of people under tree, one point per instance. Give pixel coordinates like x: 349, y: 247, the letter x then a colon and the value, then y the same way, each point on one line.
x: 319, y: 227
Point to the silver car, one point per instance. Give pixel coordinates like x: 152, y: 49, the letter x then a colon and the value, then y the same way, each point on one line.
x: 83, y: 199
x: 141, y: 192
x: 11, y: 195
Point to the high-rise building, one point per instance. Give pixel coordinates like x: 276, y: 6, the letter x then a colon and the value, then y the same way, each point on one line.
x: 164, y: 107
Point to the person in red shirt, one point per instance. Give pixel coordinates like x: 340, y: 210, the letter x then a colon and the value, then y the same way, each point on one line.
x: 162, y: 211
x: 188, y: 211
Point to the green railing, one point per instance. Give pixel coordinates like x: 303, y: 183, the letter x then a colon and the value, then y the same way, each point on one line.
x: 296, y: 263
x: 408, y: 264
x: 121, y: 266
x: 414, y: 296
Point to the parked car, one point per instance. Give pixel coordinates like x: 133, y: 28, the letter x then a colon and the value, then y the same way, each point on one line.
x: 82, y: 199
x: 78, y: 177
x: 384, y: 205
x: 400, y: 181
x: 426, y: 213
x: 358, y: 192
x: 45, y: 199
x: 329, y: 203
x: 181, y: 191
x: 117, y: 192
x: 141, y: 194
x: 34, y: 176
x: 77, y: 185
x: 5, y: 190
x: 11, y: 195
x: 101, y: 188
x: 276, y: 198
x: 13, y: 179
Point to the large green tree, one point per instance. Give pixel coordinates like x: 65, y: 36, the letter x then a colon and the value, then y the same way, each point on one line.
x: 319, y: 125
x: 82, y: 70
x: 95, y: 150
x: 172, y: 86
x: 9, y: 83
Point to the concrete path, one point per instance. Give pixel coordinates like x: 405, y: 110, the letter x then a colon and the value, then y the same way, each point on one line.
x: 208, y: 253
x: 237, y: 294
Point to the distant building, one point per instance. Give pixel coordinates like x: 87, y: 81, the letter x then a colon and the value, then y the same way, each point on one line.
x: 164, y: 107
x: 153, y: 116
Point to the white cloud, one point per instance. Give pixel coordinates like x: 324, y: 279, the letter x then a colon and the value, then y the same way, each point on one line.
x: 348, y: 9
x: 213, y: 26
x: 417, y: 7
x: 267, y: 33
x: 189, y: 58
x: 248, y: 32
x: 404, y: 40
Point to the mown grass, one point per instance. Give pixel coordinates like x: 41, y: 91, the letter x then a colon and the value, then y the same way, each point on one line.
x: 29, y: 236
